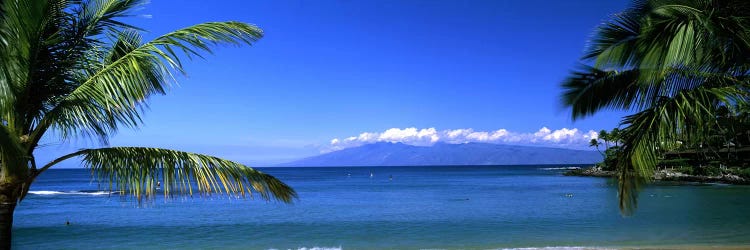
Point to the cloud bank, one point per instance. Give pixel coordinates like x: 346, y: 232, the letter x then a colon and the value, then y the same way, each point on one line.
x: 564, y: 137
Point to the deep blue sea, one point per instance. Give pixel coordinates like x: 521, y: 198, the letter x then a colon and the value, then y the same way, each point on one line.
x: 456, y: 207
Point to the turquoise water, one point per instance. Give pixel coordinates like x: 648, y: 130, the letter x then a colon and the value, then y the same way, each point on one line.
x: 459, y: 207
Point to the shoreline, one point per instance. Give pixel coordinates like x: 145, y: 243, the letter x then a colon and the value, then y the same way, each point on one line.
x: 665, y: 175
x: 647, y: 247
x: 697, y: 246
x: 651, y: 247
x: 692, y: 247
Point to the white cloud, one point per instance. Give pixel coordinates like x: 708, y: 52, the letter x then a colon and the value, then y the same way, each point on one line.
x: 411, y: 136
x: 564, y: 137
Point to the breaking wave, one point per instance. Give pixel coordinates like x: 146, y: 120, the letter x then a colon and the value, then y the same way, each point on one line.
x: 82, y: 192
x: 558, y: 248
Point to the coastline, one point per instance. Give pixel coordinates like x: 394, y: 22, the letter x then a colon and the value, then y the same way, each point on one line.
x: 665, y: 175
x: 647, y: 247
x: 692, y: 247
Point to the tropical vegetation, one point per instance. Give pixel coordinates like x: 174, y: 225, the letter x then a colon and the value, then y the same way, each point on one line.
x: 74, y: 69
x: 724, y: 151
x: 611, y: 142
x: 679, y: 66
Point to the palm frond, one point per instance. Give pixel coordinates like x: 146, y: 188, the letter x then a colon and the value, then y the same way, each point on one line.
x: 115, y: 93
x: 690, y: 114
x: 672, y: 62
x: 590, y: 89
x: 94, y: 17
x: 12, y: 155
x: 615, y: 42
x: 22, y: 26
x: 628, y: 186
x: 662, y: 34
x: 136, y: 171
x: 47, y: 42
x: 674, y: 36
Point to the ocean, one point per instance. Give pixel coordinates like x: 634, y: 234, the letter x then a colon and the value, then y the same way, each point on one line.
x: 439, y: 207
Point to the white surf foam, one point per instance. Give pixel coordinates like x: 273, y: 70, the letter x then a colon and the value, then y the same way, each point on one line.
x: 313, y: 248
x: 558, y: 248
x: 48, y: 192
x: 45, y: 192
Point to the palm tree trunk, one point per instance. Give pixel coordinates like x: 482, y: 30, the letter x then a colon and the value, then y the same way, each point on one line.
x: 8, y: 199
x: 6, y: 223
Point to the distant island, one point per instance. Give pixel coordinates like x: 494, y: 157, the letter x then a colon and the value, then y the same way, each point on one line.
x: 399, y: 154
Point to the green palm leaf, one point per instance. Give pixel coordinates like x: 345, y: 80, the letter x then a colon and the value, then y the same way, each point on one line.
x: 674, y: 63
x: 73, y: 67
x: 11, y: 155
x: 136, y: 171
x: 616, y: 41
x: 591, y: 89
x: 648, y: 133
x: 124, y: 77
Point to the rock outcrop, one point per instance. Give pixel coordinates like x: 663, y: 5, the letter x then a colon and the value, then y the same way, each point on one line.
x: 666, y: 175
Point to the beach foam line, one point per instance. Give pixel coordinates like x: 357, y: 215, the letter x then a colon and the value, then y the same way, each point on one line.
x: 558, y: 248
x: 519, y: 248
x: 313, y: 248
x: 84, y: 192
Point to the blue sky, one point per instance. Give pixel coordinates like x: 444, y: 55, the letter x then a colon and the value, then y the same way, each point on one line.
x: 337, y: 69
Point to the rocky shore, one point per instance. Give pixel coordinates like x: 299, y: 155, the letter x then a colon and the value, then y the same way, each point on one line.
x: 590, y: 171
x: 665, y: 175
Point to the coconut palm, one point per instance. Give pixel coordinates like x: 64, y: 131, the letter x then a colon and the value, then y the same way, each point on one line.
x: 595, y: 143
x: 615, y: 136
x: 671, y: 62
x: 72, y: 69
x: 604, y: 135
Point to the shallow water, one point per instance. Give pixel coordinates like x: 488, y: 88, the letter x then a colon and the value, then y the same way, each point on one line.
x: 457, y: 207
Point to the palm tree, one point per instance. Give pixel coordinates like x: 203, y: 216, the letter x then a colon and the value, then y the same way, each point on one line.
x: 595, y: 143
x: 671, y: 62
x: 615, y: 136
x: 73, y: 69
x: 604, y: 135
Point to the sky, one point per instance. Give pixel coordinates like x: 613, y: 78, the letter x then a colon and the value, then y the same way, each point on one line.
x: 335, y: 74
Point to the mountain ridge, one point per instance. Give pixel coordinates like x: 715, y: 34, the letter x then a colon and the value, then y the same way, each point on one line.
x: 399, y: 154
